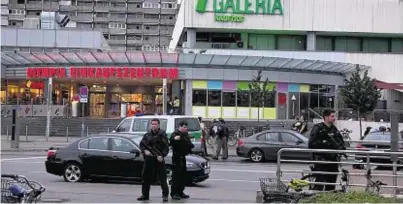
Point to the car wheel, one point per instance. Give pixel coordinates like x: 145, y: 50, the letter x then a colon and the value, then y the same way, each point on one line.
x: 256, y: 155
x: 169, y: 176
x: 72, y: 172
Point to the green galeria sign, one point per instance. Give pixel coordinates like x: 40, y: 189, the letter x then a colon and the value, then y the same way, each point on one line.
x: 235, y: 10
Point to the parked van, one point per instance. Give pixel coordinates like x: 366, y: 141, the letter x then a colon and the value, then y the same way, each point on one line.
x: 169, y: 123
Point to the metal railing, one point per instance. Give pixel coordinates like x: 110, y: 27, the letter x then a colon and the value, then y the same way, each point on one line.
x: 368, y: 164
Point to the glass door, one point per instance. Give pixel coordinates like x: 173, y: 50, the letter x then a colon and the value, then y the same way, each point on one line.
x: 97, y: 104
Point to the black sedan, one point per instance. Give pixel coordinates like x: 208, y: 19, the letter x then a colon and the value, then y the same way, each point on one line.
x: 113, y: 156
x: 265, y: 145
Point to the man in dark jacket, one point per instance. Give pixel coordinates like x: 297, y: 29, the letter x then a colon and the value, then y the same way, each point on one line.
x: 181, y: 146
x: 155, y: 147
x: 221, y: 133
x: 326, y: 136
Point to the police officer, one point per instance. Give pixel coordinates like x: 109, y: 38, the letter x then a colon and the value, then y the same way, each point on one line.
x: 326, y: 136
x: 222, y: 134
x: 155, y: 147
x: 181, y: 146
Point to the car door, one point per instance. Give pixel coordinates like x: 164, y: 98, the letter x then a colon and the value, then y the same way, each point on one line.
x: 291, y: 141
x: 141, y: 125
x: 125, y: 125
x: 126, y: 164
x: 271, y: 144
x: 95, y: 156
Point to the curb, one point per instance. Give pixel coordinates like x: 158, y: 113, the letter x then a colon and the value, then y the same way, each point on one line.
x: 24, y: 150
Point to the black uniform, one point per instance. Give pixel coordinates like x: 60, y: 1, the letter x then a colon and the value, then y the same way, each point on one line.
x: 180, y: 148
x: 324, y: 137
x: 157, y: 144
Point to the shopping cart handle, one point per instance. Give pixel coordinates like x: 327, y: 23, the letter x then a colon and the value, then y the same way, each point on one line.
x: 13, y: 176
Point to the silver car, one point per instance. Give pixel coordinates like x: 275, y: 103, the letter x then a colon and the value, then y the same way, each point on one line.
x: 265, y: 145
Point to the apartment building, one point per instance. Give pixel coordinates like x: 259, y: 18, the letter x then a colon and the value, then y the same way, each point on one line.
x: 128, y: 25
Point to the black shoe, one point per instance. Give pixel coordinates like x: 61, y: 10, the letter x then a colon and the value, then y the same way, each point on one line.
x: 224, y: 158
x: 215, y: 158
x: 176, y: 197
x: 143, y: 198
x: 184, y: 196
x: 164, y: 198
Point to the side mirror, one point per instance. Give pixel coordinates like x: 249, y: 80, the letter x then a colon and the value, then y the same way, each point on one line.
x: 135, y: 152
x: 299, y: 142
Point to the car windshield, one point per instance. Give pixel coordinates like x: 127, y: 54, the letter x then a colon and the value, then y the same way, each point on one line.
x: 136, y: 140
x: 193, y: 123
x: 378, y: 137
x: 301, y: 136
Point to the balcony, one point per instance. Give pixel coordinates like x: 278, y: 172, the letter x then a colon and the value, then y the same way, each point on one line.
x: 168, y: 11
x: 134, y: 9
x: 117, y: 18
x: 168, y: 21
x: 16, y: 17
x: 101, y: 8
x: 135, y: 1
x: 15, y: 6
x: 134, y: 31
x: 118, y: 9
x: 166, y: 32
x: 151, y: 10
x: 68, y: 8
x: 33, y: 6
x: 51, y: 6
x: 151, y: 20
x: 101, y: 19
x: 4, y: 2
x: 82, y: 18
x: 84, y: 7
x: 103, y: 30
x: 134, y: 20
x: 118, y: 1
x: 150, y: 32
x: 117, y: 42
x: 134, y: 42
x: 117, y: 31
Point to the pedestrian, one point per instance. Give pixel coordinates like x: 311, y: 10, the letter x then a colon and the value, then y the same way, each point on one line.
x: 181, y: 146
x: 155, y: 148
x: 325, y: 135
x: 221, y: 133
x: 204, y: 135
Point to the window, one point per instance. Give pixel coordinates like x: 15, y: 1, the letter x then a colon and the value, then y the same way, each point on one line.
x: 140, y: 125
x: 243, y: 99
x: 272, y: 137
x: 296, y: 42
x: 121, y: 145
x: 124, y: 126
x: 288, y: 138
x: 375, y: 45
x: 150, y: 5
x: 199, y: 97
x: 262, y: 42
x: 98, y: 144
x: 270, y: 101
x: 163, y: 124
x: 84, y: 144
x: 326, y: 96
x: 324, y: 43
x: 397, y: 45
x: 214, y: 98
x: 16, y: 12
x: 193, y: 123
x: 20, y: 1
x: 228, y: 99
x: 348, y: 44
x: 168, y: 6
x: 117, y: 25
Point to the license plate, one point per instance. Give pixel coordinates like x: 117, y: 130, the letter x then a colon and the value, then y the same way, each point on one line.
x: 207, y: 171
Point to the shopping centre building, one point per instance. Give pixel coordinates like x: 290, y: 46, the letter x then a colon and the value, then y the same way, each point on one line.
x: 305, y: 48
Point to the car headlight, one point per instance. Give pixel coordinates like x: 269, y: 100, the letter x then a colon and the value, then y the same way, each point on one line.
x: 190, y: 165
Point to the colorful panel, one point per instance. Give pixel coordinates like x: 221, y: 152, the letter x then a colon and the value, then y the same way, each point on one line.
x: 214, y: 85
x: 199, y: 111
x: 244, y: 86
x: 254, y: 111
x: 229, y: 86
x: 304, y: 88
x: 271, y: 86
x: 228, y: 112
x: 293, y: 88
x: 282, y: 87
x: 242, y: 113
x: 199, y: 84
x: 269, y: 113
x: 213, y: 112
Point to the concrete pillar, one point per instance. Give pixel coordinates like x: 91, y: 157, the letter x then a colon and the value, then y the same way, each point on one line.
x: 336, y: 100
x: 191, y: 37
x: 311, y: 41
x: 188, y: 97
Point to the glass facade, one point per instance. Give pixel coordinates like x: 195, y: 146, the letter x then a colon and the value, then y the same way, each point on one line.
x: 232, y: 99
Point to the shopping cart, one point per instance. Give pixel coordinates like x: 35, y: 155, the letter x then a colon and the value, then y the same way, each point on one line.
x: 275, y: 191
x: 17, y: 189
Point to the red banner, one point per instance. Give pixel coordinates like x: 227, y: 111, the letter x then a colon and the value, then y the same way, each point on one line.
x: 104, y: 72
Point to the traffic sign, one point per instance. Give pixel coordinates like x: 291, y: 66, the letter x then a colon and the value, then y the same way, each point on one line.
x: 83, y: 92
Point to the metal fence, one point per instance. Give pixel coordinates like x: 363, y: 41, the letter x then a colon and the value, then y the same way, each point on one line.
x: 394, y: 156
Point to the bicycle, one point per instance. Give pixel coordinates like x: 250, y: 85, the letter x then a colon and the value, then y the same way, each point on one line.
x: 18, y: 189
x: 275, y: 190
x: 233, y: 139
x: 371, y: 184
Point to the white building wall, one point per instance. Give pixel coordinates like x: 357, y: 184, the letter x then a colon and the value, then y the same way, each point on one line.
x: 367, y: 16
